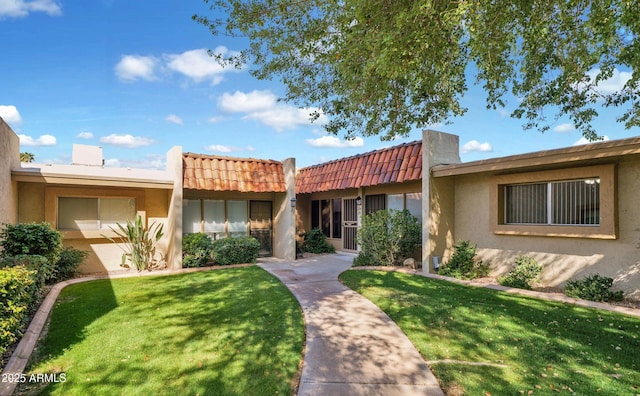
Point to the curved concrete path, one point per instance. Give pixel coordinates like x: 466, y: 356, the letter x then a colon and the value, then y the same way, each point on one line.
x: 352, y: 347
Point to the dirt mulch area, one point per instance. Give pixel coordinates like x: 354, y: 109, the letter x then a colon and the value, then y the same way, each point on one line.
x: 627, y: 303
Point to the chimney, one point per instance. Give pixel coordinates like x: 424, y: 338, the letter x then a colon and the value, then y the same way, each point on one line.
x: 87, y: 155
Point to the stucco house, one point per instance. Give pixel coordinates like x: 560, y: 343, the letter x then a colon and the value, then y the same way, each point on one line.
x: 574, y: 209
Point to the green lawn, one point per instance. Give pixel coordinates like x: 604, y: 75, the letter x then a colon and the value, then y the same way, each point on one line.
x: 222, y: 332
x: 523, y: 345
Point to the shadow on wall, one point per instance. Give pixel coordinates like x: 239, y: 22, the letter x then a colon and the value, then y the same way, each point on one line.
x: 559, y: 268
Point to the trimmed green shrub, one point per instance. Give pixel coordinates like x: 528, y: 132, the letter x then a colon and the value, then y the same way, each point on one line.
x: 593, y: 287
x: 17, y: 293
x: 42, y: 269
x: 363, y: 259
x: 240, y: 250
x: 38, y: 239
x: 316, y: 242
x: 463, y: 264
x: 524, y: 275
x: 197, y: 250
x: 68, y: 263
x: 389, y: 236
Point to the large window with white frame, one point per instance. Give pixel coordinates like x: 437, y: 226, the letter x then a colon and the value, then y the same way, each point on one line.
x: 90, y: 213
x: 217, y: 218
x: 567, y: 202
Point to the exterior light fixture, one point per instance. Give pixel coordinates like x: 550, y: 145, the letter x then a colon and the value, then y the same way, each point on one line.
x: 359, y: 201
x: 293, y: 203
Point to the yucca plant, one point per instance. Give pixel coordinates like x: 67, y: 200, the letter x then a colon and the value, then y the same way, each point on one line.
x: 138, y: 243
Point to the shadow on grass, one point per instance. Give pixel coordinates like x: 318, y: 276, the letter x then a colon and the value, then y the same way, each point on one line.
x: 544, y: 346
x: 231, y: 331
x: 70, y: 317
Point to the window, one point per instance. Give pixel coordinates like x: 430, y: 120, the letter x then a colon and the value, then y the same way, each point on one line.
x: 326, y: 214
x: 325, y: 211
x: 336, y: 218
x: 218, y: 218
x: 573, y: 202
x: 237, y: 217
x: 374, y: 203
x: 213, y: 217
x: 409, y: 201
x: 83, y: 214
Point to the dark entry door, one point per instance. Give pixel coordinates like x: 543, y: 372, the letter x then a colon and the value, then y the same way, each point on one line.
x: 350, y: 224
x: 260, y: 213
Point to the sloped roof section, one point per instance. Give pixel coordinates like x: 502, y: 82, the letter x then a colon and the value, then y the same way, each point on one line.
x: 395, y: 164
x: 217, y: 173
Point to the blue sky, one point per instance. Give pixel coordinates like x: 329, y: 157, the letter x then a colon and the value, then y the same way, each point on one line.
x: 134, y: 78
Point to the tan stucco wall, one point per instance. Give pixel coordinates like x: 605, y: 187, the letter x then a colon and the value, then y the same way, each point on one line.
x: 104, y: 256
x: 284, y: 222
x: 9, y: 158
x: 563, y: 258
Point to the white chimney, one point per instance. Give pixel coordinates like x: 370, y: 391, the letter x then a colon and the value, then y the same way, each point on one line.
x: 87, y: 155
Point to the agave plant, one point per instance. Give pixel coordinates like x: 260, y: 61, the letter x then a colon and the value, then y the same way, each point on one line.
x: 138, y: 243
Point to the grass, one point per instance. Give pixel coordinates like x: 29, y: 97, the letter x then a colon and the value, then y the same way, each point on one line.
x: 483, y: 342
x: 223, y: 332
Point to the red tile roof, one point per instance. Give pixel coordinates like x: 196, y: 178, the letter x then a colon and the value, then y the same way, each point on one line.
x: 216, y: 173
x: 391, y: 165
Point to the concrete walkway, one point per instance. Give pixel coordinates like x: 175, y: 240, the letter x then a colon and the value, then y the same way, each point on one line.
x: 352, y: 347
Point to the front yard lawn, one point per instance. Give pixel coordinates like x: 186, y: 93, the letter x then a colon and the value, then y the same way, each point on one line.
x: 224, y: 332
x: 483, y: 342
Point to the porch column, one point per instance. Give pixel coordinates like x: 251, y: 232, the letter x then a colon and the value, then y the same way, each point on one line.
x: 438, y: 206
x: 285, y: 218
x: 173, y: 228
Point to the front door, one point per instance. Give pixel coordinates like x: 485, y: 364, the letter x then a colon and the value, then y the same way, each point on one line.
x: 350, y: 224
x: 261, y: 225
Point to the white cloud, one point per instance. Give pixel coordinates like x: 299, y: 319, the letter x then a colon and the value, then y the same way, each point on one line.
x: 610, y: 85
x: 564, y: 128
x: 44, y: 140
x: 474, y: 145
x: 85, y: 135
x: 22, y: 8
x: 254, y: 101
x: 10, y: 114
x: 150, y: 161
x: 136, y: 67
x: 334, y: 142
x: 127, y: 140
x: 263, y: 106
x: 174, y: 119
x: 220, y: 148
x: 584, y: 140
x: 198, y: 65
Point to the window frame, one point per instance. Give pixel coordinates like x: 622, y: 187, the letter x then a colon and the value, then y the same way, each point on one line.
x: 52, y: 194
x: 607, y: 229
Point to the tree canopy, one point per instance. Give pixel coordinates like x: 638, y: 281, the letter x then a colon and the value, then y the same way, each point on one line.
x: 388, y: 66
x: 27, y: 157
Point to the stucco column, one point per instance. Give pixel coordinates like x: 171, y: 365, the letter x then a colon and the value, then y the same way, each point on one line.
x: 9, y: 159
x: 173, y: 230
x: 438, y: 148
x: 285, y: 218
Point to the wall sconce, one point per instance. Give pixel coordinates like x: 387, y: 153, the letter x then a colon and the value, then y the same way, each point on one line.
x: 293, y: 203
x: 359, y: 201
